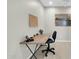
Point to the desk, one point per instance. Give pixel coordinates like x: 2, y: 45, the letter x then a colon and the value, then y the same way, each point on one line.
x: 38, y: 40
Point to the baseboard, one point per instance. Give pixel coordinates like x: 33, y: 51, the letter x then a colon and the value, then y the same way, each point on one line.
x: 63, y: 40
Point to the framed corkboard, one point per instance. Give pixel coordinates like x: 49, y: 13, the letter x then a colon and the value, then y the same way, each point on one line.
x: 33, y: 21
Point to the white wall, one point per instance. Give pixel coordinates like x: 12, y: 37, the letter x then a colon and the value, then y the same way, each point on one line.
x: 18, y: 11
x: 64, y: 33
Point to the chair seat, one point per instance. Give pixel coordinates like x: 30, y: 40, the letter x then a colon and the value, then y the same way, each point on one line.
x: 49, y: 41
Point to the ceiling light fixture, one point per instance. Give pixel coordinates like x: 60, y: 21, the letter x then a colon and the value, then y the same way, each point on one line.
x: 50, y: 2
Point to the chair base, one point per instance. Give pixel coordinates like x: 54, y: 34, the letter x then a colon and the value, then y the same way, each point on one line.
x: 48, y: 50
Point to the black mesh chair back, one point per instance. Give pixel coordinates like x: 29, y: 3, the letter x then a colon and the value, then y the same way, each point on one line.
x: 54, y: 35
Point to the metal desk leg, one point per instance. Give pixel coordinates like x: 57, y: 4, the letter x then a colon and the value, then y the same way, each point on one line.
x: 35, y: 51
x: 36, y: 47
x: 31, y: 51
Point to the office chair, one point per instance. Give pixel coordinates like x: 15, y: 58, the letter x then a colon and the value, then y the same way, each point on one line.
x: 48, y: 42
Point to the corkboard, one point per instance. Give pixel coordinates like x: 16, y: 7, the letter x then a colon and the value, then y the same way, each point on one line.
x: 33, y: 21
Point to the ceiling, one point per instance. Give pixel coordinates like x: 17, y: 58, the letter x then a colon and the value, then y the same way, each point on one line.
x: 56, y: 3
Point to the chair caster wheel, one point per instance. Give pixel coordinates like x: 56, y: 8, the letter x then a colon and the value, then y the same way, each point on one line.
x: 52, y: 48
x: 42, y: 51
x: 54, y: 53
x: 46, y: 55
